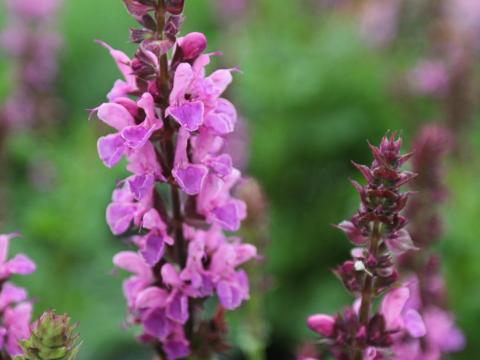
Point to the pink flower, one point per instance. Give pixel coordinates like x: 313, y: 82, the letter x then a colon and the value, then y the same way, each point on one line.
x: 442, y: 334
x: 131, y: 136
x: 122, y: 87
x: 142, y: 275
x: 16, y: 327
x: 398, y: 316
x: 19, y: 264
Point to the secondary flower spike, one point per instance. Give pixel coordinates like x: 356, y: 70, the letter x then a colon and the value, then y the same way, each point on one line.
x: 431, y: 146
x: 378, y: 230
x: 170, y: 123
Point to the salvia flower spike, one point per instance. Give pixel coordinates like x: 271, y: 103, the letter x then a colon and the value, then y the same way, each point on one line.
x: 171, y: 123
x: 52, y: 338
x: 423, y: 269
x: 378, y: 231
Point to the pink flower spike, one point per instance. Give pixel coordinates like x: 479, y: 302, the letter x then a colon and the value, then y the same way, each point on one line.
x: 170, y: 126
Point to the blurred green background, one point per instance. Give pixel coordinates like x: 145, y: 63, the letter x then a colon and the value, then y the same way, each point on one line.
x: 312, y: 92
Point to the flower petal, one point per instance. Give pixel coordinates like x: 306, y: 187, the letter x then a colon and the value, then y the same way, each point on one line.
x: 190, y: 178
x: 189, y: 115
x: 111, y: 149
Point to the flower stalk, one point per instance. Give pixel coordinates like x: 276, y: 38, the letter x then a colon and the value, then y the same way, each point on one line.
x: 431, y: 146
x: 172, y: 126
x: 378, y: 231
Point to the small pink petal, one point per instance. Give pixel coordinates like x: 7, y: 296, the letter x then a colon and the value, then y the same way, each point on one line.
x: 189, y: 115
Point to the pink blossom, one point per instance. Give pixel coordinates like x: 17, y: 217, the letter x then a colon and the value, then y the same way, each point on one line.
x: 398, y: 316
x: 19, y: 264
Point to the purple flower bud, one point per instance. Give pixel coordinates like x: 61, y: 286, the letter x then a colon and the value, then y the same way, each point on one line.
x: 322, y: 324
x: 353, y: 232
x: 174, y: 7
x: 192, y: 45
x: 137, y: 9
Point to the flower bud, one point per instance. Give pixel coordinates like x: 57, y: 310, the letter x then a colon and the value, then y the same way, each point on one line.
x: 192, y: 45
x: 174, y: 7
x: 322, y: 324
x: 52, y: 338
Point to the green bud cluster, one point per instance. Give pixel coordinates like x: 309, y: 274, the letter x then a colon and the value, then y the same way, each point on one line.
x: 52, y: 338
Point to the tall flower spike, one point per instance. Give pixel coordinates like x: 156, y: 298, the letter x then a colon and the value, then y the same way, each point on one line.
x: 170, y: 123
x: 378, y: 231
x: 432, y: 144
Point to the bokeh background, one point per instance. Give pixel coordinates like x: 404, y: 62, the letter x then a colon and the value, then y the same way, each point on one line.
x: 313, y: 89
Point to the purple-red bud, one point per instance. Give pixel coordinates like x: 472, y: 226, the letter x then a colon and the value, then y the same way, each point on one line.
x: 322, y: 324
x: 174, y: 7
x: 353, y: 233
